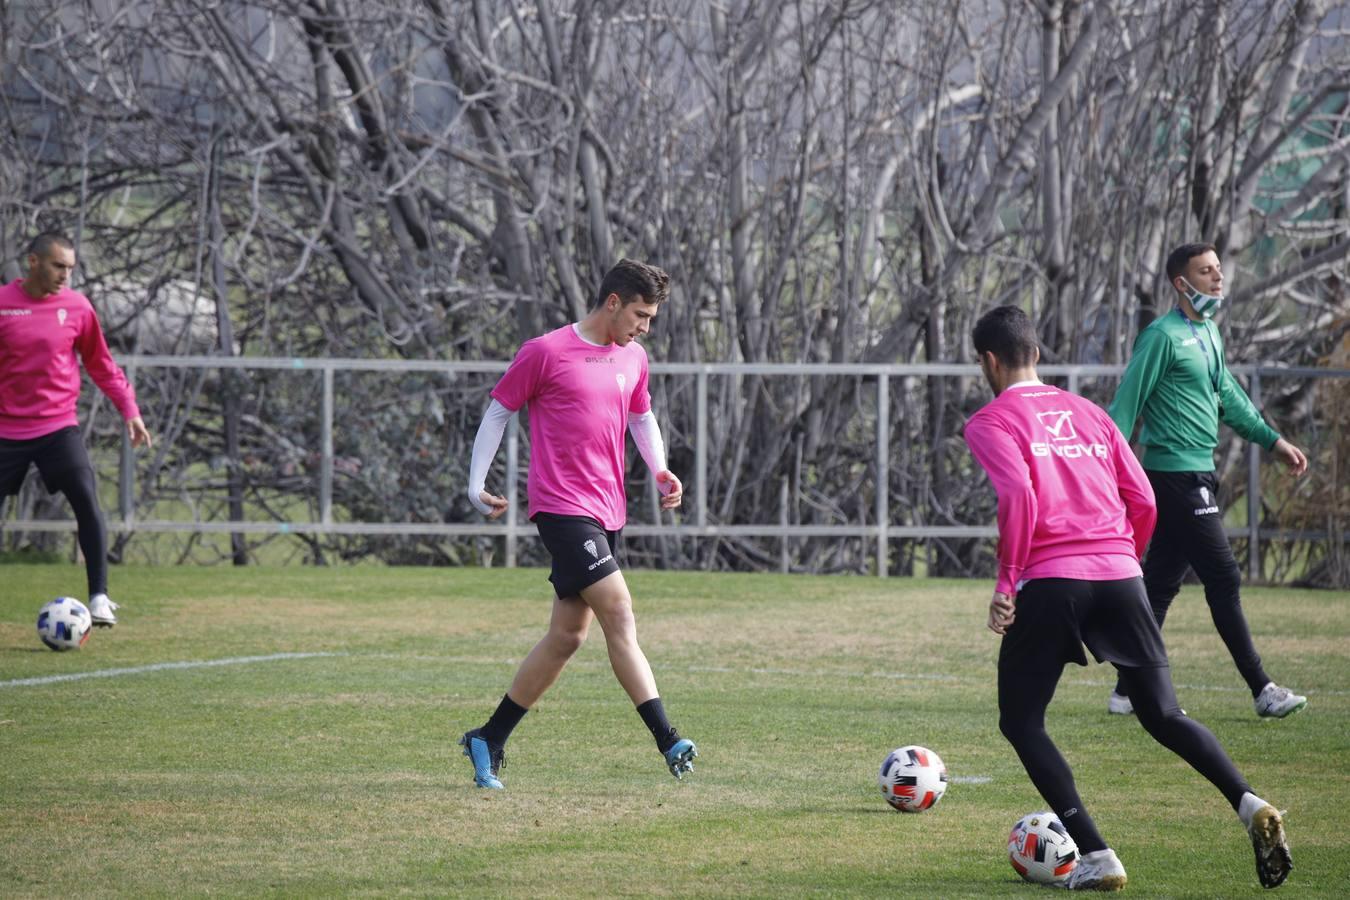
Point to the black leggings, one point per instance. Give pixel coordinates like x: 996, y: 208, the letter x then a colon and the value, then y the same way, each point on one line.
x: 1022, y: 704
x: 63, y: 463
x: 1190, y: 536
x: 78, y: 486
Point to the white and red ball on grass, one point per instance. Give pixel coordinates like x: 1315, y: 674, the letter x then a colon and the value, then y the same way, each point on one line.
x: 913, y: 778
x: 1041, y: 850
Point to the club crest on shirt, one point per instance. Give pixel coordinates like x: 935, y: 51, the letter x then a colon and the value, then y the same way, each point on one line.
x: 60, y: 317
x: 620, y: 379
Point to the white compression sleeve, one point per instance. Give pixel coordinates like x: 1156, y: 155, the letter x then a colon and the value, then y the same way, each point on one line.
x: 647, y: 435
x: 485, y: 446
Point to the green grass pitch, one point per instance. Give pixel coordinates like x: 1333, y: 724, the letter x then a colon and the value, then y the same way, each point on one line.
x: 319, y: 757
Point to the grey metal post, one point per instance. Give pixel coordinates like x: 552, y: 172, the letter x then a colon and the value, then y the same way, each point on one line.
x: 512, y: 495
x: 784, y: 556
x: 326, y: 449
x: 1254, y: 491
x: 883, y: 474
x: 701, y: 448
x: 126, y: 468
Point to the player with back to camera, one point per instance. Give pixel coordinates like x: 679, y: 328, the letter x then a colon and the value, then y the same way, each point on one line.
x: 585, y: 385
x: 1177, y: 381
x: 46, y: 329
x: 1075, y: 512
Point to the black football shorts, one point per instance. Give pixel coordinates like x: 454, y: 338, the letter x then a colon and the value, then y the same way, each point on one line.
x: 582, y: 551
x: 1055, y: 617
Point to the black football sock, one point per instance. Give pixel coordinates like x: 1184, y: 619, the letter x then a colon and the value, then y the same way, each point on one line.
x: 503, y: 721
x: 654, y: 715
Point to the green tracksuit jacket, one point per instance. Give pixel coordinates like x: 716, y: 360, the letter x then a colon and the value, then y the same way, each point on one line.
x: 1178, y: 382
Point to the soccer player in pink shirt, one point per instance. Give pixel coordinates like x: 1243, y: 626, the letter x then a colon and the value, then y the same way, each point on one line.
x: 1075, y: 512
x: 46, y: 329
x: 585, y: 385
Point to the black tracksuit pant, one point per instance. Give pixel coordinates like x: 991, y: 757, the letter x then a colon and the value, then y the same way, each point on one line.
x: 1190, y: 535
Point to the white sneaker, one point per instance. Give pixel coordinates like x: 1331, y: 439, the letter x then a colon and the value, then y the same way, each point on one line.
x: 101, y: 611
x: 1097, y: 871
x: 1275, y: 702
x: 1272, y: 849
x: 1117, y: 705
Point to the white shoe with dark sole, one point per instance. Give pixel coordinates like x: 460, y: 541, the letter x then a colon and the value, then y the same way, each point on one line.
x: 101, y: 611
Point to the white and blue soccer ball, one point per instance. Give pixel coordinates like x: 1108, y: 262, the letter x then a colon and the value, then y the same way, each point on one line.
x: 1041, y: 850
x: 913, y: 778
x: 63, y: 623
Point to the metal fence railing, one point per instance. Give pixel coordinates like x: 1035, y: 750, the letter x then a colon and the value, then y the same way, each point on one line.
x: 512, y: 529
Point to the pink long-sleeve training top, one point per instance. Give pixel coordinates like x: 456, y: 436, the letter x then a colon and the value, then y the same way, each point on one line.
x: 580, y: 396
x: 1073, y: 502
x: 41, y: 344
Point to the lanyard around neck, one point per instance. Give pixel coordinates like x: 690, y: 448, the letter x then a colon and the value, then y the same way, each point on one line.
x: 1211, y: 361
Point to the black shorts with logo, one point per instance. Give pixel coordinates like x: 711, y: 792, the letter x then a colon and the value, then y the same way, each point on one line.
x: 1055, y: 617
x: 582, y: 551
x: 56, y: 455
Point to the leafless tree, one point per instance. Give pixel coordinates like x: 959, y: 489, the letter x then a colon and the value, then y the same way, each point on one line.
x: 827, y: 180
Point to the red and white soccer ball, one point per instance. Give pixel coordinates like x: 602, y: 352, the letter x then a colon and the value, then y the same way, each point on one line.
x: 63, y: 623
x: 1040, y: 849
x: 913, y: 778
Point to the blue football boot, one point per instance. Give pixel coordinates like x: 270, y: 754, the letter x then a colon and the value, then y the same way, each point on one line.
x: 487, y: 759
x: 680, y: 757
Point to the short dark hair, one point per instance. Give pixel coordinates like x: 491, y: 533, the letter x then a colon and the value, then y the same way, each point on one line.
x: 631, y: 279
x: 1179, y: 258
x: 1006, y: 332
x: 43, y: 243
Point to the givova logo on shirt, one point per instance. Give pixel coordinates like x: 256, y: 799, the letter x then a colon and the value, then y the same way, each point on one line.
x: 1064, y: 442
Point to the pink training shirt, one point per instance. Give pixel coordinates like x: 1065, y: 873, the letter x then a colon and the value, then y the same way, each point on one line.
x: 1073, y: 502
x: 580, y: 396
x: 39, y: 372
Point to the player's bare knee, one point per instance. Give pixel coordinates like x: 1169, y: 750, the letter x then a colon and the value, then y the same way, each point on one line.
x: 567, y: 641
x: 618, y: 622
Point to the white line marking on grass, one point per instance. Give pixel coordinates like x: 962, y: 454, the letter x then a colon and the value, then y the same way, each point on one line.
x: 805, y: 673
x: 829, y: 673
x: 970, y: 779
x: 159, y: 667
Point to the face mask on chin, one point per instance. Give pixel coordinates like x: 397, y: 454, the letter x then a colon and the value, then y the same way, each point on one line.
x: 1205, y: 305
